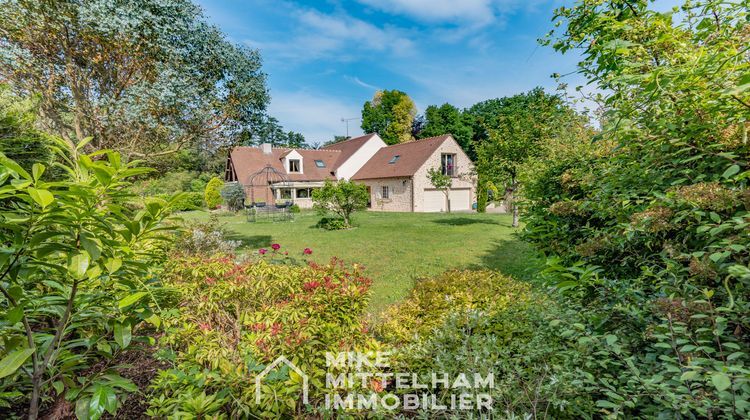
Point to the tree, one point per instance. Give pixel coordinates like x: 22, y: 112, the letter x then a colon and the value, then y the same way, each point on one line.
x: 72, y: 277
x: 144, y: 77
x: 268, y: 130
x: 515, y: 128
x: 443, y: 183
x: 212, y: 195
x: 390, y: 113
x: 447, y: 119
x: 341, y: 198
x: 234, y: 195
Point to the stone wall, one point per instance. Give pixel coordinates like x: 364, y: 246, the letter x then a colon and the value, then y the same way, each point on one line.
x: 465, y: 178
x: 400, y: 190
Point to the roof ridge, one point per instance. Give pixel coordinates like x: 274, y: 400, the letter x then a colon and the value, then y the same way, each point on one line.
x: 349, y: 139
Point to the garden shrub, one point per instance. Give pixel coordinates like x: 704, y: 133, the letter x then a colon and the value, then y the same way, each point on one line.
x: 76, y: 281
x: 433, y: 299
x: 332, y: 223
x: 204, y: 238
x: 341, y: 198
x: 184, y: 201
x: 648, y: 239
x: 234, y: 318
x: 234, y: 195
x: 212, y: 195
x: 294, y: 208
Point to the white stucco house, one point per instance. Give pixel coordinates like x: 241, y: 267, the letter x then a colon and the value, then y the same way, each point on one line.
x: 396, y: 176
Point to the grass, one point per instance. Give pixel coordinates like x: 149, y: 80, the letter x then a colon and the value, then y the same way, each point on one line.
x: 396, y: 248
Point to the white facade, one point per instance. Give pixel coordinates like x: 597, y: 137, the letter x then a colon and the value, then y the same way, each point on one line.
x: 357, y: 160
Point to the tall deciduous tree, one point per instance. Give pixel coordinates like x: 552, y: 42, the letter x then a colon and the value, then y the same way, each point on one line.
x: 143, y: 76
x: 516, y: 127
x: 447, y: 119
x: 390, y: 113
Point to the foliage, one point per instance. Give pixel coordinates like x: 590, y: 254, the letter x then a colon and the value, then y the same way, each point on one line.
x: 341, y: 198
x: 204, y: 238
x: 433, y: 299
x: 270, y: 131
x: 234, y: 195
x: 212, y: 195
x: 172, y: 182
x: 516, y: 133
x: 332, y: 223
x: 75, y: 279
x: 19, y: 139
x: 145, y: 77
x: 447, y: 119
x: 235, y: 318
x: 294, y: 208
x: 182, y: 201
x: 441, y: 182
x: 390, y: 114
x: 647, y: 228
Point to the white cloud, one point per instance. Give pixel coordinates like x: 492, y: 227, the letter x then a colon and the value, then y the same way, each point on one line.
x: 357, y: 81
x: 474, y: 12
x: 316, y: 116
x: 336, y: 36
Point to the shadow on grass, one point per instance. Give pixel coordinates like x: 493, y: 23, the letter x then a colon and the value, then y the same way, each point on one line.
x: 463, y: 221
x: 248, y: 241
x: 514, y: 258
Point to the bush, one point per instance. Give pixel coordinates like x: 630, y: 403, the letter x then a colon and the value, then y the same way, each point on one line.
x: 212, y: 195
x: 294, y: 208
x: 332, y: 223
x: 234, y: 195
x: 207, y: 238
x: 433, y: 299
x: 186, y: 201
x: 76, y: 280
x: 341, y: 198
x: 234, y: 318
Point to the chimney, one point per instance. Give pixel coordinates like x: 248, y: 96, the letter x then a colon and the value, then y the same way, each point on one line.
x: 266, y: 148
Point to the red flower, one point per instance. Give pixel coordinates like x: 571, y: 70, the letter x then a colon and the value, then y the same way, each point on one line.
x: 210, y: 280
x: 262, y: 251
x: 311, y: 285
x: 275, y: 247
x: 307, y: 251
x: 204, y: 326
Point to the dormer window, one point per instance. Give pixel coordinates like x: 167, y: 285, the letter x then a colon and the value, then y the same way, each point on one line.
x: 394, y: 159
x: 293, y: 165
x: 319, y: 163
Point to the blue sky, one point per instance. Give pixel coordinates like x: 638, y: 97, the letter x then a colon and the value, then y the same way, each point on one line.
x: 324, y: 59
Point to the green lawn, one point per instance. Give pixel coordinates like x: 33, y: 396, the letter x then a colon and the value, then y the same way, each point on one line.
x: 396, y: 248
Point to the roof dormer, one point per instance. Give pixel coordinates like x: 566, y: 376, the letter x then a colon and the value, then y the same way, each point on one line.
x: 293, y: 162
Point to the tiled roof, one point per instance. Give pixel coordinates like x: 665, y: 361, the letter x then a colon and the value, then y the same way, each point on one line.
x: 411, y: 156
x: 348, y: 147
x: 249, y: 160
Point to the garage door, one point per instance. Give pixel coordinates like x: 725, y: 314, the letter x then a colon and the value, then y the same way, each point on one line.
x: 434, y: 200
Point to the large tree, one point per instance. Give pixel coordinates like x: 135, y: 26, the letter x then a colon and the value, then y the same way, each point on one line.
x: 515, y: 129
x: 142, y: 76
x: 390, y: 113
x: 447, y: 119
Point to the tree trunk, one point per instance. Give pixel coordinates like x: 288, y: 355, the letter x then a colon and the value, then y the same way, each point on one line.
x: 510, y: 200
x: 515, y: 215
x: 448, y: 200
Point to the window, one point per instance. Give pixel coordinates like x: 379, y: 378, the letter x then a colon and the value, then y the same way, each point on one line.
x: 293, y: 165
x: 448, y: 164
x: 394, y: 159
x: 304, y: 192
x: 286, y: 193
x: 319, y: 163
x: 385, y: 193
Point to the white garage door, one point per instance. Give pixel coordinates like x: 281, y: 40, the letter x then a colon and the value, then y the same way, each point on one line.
x: 434, y: 200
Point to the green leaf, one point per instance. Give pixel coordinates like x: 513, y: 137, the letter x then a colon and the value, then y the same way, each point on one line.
x: 123, y: 334
x: 14, y: 315
x: 78, y: 265
x: 131, y: 299
x: 82, y: 409
x: 732, y: 170
x: 14, y: 360
x: 113, y: 264
x: 37, y: 170
x: 13, y: 166
x: 102, y: 398
x: 90, y: 245
x: 721, y: 381
x: 42, y: 197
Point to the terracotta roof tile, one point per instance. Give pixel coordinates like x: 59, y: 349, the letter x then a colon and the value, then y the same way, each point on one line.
x: 411, y: 156
x: 348, y: 147
x: 249, y: 160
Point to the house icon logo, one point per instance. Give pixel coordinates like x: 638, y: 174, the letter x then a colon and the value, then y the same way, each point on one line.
x: 281, y: 360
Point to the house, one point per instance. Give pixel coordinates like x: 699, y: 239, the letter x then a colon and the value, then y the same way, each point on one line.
x: 396, y: 176
x: 273, y: 175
